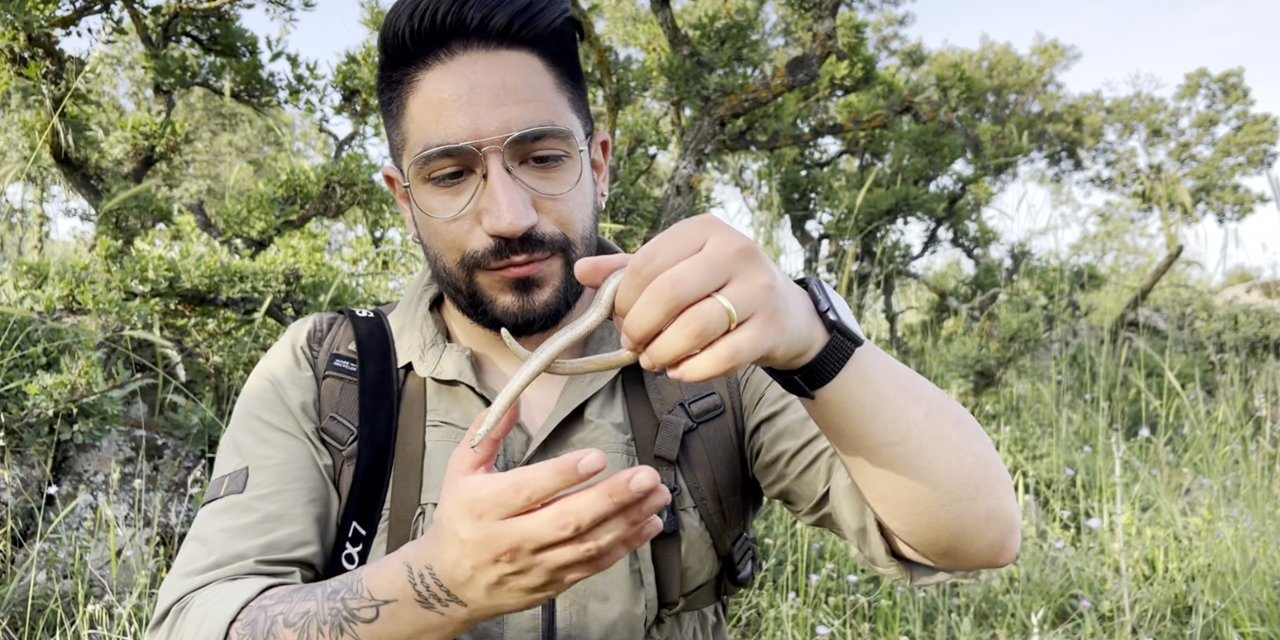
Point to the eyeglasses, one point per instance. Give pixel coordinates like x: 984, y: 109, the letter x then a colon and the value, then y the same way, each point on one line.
x: 443, y: 181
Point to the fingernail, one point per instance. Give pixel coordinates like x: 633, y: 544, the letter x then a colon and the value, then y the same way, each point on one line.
x: 592, y: 463
x: 655, y: 524
x: 643, y: 481
x: 646, y: 362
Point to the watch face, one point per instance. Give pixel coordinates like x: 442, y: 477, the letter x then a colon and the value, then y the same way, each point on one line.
x: 836, y: 310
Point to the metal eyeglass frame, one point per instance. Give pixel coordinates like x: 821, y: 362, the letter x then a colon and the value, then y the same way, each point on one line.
x: 484, y: 172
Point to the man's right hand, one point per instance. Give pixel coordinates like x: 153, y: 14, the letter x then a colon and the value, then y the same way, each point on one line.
x: 500, y: 542
x: 507, y: 541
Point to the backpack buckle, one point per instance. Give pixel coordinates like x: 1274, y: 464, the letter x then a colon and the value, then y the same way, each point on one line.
x: 670, y: 517
x: 742, y: 554
x: 702, y: 407
x: 338, y: 432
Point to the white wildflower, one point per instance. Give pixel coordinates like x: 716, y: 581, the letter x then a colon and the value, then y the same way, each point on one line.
x: 51, y: 490
x: 791, y: 596
x: 814, y: 578
x: 822, y: 630
x: 1144, y: 433
x: 1085, y: 605
x: 1059, y: 544
x: 1070, y: 472
x: 851, y: 579
x: 1093, y: 523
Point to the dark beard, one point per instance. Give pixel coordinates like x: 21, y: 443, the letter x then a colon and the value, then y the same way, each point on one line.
x: 528, y: 315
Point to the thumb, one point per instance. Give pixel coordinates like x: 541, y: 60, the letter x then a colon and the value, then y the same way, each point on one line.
x: 592, y: 271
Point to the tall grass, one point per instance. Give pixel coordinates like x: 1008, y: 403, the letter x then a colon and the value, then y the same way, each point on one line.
x: 1149, y: 512
x: 1149, y: 496
x: 70, y: 588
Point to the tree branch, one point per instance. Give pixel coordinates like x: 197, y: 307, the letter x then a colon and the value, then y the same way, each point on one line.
x: 891, y: 314
x: 140, y: 25
x: 213, y: 5
x: 801, y: 70
x: 86, y: 10
x: 84, y: 181
x: 241, y: 305
x: 591, y: 38
x: 76, y: 403
x: 340, y: 143
x: 1145, y: 290
x: 204, y: 222
x: 942, y: 294
x: 149, y: 155
x: 679, y: 41
x: 798, y: 137
x: 930, y: 240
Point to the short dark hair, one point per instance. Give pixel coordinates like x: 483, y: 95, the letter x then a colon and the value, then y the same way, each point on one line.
x: 419, y: 34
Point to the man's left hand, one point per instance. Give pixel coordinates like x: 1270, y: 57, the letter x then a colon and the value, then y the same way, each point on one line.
x: 666, y: 313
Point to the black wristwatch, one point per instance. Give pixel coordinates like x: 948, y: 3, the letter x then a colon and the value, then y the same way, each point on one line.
x: 846, y: 337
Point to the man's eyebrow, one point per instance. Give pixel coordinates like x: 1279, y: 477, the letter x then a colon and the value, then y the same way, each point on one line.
x: 430, y: 144
x: 449, y: 151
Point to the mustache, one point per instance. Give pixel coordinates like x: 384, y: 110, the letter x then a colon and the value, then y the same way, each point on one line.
x: 532, y: 242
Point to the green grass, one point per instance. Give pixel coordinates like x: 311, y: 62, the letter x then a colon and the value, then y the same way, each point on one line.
x: 1149, y: 511
x: 1149, y: 492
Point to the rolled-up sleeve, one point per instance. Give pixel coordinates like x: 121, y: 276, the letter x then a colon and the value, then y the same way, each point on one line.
x: 278, y: 528
x: 796, y: 466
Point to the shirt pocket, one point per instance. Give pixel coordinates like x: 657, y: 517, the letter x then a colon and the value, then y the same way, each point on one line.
x: 439, y: 441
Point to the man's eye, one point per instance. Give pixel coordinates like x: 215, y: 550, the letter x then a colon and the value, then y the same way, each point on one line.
x: 545, y: 161
x: 448, y: 178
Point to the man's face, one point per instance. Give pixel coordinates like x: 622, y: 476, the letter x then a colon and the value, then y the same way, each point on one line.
x: 507, y: 259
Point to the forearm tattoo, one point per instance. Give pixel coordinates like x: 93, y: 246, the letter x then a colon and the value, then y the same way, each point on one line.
x: 430, y: 591
x: 333, y: 609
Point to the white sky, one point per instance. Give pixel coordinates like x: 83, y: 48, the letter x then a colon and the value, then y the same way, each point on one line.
x: 1117, y: 40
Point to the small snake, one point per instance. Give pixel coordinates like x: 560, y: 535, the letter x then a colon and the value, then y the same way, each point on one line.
x: 544, y: 358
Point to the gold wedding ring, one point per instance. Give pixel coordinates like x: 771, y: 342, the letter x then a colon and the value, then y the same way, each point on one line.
x: 728, y: 308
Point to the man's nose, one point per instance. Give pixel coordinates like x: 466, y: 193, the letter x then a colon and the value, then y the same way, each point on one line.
x: 505, y: 206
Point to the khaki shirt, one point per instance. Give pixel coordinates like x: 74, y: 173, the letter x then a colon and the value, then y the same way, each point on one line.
x: 278, y: 531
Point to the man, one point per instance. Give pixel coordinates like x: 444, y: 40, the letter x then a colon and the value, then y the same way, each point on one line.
x: 500, y: 177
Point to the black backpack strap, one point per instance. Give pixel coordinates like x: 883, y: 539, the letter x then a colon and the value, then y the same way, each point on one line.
x: 704, y: 424
x: 377, y: 407
x: 646, y: 429
x: 713, y: 461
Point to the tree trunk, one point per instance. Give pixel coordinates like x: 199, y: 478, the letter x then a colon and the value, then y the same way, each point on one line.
x: 682, y: 190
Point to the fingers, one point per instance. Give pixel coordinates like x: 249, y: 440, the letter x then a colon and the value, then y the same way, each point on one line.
x: 695, y: 329
x: 587, y: 558
x: 682, y: 240
x: 466, y: 460
x: 526, y: 488
x: 592, y: 271
x: 722, y: 357
x: 676, y: 289
x: 633, y: 493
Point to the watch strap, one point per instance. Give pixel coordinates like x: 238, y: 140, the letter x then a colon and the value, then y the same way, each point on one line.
x: 805, y: 381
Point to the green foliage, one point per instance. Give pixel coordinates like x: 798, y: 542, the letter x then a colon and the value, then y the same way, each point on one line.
x: 1144, y: 467
x: 1185, y: 158
x: 226, y: 187
x: 222, y: 203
